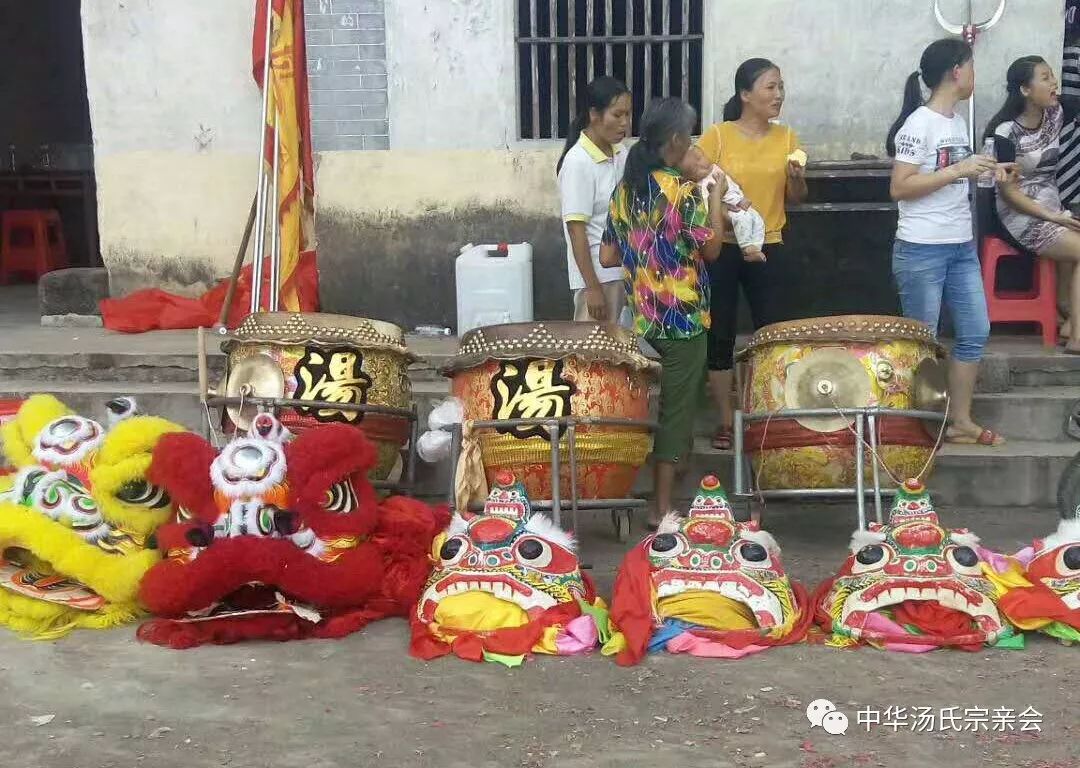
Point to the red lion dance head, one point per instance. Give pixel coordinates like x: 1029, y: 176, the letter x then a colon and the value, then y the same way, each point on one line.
x: 280, y: 538
x: 912, y: 585
x: 705, y: 584
x: 1045, y: 596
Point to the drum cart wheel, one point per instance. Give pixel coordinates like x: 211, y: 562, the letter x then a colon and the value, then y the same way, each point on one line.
x: 621, y: 520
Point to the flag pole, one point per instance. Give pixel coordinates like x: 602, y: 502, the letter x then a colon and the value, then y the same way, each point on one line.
x: 261, y: 206
x: 275, y: 224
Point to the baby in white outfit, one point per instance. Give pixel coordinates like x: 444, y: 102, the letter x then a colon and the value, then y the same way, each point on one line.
x: 747, y: 223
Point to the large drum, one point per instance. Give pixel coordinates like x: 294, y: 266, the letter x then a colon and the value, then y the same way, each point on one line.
x: 554, y: 370
x: 325, y: 358
x: 848, y: 361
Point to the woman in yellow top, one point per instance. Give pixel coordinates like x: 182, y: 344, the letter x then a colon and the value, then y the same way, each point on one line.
x: 765, y: 159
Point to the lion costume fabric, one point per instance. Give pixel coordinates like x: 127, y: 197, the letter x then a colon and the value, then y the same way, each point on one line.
x: 705, y: 584
x: 506, y: 583
x: 1041, y: 585
x: 281, y: 538
x: 913, y: 585
x: 77, y: 516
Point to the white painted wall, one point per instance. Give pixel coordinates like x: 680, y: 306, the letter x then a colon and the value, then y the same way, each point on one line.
x: 453, y: 69
x: 175, y: 114
x: 453, y: 76
x: 845, y: 61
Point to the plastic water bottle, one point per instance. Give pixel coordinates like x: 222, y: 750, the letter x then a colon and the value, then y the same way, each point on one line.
x: 986, y: 179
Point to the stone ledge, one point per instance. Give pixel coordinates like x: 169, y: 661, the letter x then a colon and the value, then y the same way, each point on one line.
x: 74, y: 291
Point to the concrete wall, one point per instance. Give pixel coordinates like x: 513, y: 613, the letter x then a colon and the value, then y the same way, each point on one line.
x: 390, y: 224
x: 845, y: 61
x: 174, y: 113
x: 175, y: 117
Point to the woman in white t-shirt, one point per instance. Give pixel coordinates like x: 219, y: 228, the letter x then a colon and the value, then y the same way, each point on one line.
x: 1030, y: 207
x: 935, y: 259
x: 591, y: 166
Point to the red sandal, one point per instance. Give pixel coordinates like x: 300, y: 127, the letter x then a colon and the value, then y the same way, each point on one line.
x: 722, y: 439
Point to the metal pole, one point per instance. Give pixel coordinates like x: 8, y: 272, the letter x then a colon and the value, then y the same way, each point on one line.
x: 260, y: 216
x: 556, y: 500
x: 275, y: 225
x: 414, y: 434
x: 455, y: 457
x: 571, y: 444
x: 872, y: 420
x: 860, y: 489
x: 737, y: 440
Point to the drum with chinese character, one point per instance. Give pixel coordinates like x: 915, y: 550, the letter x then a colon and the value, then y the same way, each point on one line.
x: 554, y: 370
x: 850, y: 361
x: 324, y: 358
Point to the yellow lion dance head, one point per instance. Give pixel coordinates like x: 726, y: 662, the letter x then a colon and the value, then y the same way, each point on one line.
x: 77, y: 516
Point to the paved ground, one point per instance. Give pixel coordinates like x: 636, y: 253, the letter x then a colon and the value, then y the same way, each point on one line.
x: 363, y: 702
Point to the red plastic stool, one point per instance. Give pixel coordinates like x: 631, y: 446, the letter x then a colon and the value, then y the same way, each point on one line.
x: 1037, y: 305
x: 31, y: 241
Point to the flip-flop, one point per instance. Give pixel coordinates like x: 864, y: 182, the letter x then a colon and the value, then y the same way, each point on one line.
x: 722, y: 439
x: 987, y: 437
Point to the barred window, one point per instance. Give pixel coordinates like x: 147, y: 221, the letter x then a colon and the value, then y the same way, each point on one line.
x: 654, y: 46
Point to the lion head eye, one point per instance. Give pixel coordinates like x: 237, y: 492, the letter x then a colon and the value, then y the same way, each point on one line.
x: 144, y: 494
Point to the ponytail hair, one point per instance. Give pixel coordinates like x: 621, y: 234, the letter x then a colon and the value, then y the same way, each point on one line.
x: 938, y: 60
x: 598, y: 95
x: 745, y: 76
x: 663, y: 120
x: 1021, y: 72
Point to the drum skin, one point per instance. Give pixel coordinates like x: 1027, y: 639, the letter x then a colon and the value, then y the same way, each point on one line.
x: 787, y: 455
x: 603, y: 378
x: 335, y: 358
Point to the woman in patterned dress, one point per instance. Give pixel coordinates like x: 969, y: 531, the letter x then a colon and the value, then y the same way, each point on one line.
x: 1029, y: 205
x: 662, y: 231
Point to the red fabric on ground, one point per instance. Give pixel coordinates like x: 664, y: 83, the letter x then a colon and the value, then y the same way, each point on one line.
x: 153, y: 309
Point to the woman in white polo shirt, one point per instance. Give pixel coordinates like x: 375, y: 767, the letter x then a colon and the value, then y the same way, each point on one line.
x: 591, y: 166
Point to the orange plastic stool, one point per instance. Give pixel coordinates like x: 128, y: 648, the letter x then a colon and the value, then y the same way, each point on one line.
x: 1037, y: 305
x: 31, y: 242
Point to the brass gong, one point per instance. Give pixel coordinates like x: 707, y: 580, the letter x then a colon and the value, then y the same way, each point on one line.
x: 255, y: 376
x: 930, y: 385
x: 827, y: 378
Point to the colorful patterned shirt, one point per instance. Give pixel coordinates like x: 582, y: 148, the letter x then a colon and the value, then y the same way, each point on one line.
x: 666, y: 281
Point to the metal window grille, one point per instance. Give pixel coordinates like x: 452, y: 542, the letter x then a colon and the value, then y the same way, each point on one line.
x: 654, y: 46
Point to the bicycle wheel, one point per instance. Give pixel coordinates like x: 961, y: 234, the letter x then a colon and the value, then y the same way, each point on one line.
x: 1068, y: 491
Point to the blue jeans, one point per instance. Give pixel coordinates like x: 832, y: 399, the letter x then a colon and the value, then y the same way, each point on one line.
x: 927, y: 274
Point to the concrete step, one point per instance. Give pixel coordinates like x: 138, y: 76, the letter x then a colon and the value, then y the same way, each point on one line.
x: 1027, y: 413
x: 71, y: 368
x: 176, y: 401
x: 1053, y: 370
x: 1021, y: 474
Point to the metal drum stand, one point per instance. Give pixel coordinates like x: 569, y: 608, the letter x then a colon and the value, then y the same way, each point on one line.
x: 621, y: 509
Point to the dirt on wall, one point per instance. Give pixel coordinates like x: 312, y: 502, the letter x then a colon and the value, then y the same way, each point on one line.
x: 400, y: 268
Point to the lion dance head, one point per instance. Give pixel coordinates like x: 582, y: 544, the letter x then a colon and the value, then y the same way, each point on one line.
x: 1041, y: 591
x: 912, y: 584
x: 77, y: 516
x: 506, y: 583
x: 705, y: 584
x: 279, y: 538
